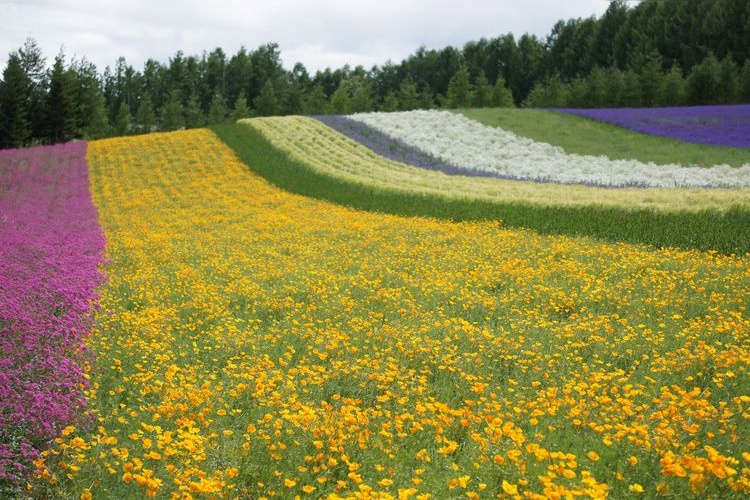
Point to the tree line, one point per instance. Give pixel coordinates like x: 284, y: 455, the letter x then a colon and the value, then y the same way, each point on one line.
x: 658, y: 52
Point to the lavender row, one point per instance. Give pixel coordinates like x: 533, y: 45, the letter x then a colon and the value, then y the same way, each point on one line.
x: 51, y: 247
x: 711, y: 125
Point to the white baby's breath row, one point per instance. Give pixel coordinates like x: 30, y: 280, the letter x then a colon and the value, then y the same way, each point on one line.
x: 473, y: 146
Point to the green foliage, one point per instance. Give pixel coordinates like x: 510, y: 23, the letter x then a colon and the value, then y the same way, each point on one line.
x: 217, y: 113
x: 61, y: 103
x: 705, y: 230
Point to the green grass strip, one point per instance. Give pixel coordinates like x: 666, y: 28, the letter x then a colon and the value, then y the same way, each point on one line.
x: 705, y: 230
x: 584, y: 136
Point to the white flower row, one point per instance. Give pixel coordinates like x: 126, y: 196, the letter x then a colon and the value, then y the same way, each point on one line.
x: 471, y: 145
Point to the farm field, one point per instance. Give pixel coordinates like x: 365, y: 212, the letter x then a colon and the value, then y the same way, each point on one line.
x: 580, y: 135
x: 713, y: 125
x: 318, y: 161
x: 251, y: 342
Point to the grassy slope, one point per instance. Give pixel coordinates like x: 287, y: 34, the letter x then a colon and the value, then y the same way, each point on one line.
x: 580, y: 135
x: 704, y: 230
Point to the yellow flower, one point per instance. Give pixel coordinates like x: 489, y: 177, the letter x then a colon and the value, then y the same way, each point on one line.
x: 636, y: 488
x: 509, y: 488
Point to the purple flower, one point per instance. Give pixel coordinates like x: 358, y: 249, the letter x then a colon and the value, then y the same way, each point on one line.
x: 50, y: 247
x: 712, y: 125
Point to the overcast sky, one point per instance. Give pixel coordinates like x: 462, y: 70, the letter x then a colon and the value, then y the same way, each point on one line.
x: 317, y: 33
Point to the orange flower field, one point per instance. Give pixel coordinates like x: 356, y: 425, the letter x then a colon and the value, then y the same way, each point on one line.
x: 253, y: 343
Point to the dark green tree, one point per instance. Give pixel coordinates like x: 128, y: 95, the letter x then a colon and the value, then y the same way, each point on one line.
x: 145, y: 117
x: 240, y: 109
x: 408, y: 96
x: 123, y: 121
x: 703, y: 82
x: 672, y: 89
x: 459, y: 93
x: 483, y: 91
x: 217, y: 113
x: 316, y: 101
x: 61, y: 103
x: 194, y: 116
x: 171, y: 116
x: 502, y: 97
x: 267, y: 104
x: 15, y: 104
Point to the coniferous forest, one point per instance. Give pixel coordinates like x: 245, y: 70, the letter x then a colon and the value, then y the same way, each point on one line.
x: 654, y: 53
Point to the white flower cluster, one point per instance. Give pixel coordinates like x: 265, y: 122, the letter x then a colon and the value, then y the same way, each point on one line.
x: 473, y: 146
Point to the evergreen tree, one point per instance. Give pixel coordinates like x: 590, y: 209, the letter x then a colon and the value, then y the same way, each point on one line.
x: 171, y: 115
x: 91, y: 120
x: 671, y: 90
x: 217, y: 113
x: 316, y: 102
x: 34, y: 66
x: 239, y: 109
x: 390, y: 103
x: 15, y: 101
x: 459, y: 90
x: 361, y: 100
x: 61, y: 103
x: 341, y: 101
x: 123, y: 120
x: 267, y: 104
x: 194, y: 116
x: 502, y: 97
x: 145, y: 117
x: 703, y: 85
x: 408, y: 97
x: 744, y: 82
x: 482, y: 92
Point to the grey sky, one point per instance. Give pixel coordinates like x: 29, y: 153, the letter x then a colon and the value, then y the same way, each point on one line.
x: 317, y: 33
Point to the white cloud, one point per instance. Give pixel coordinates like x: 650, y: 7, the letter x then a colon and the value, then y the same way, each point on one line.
x: 322, y: 33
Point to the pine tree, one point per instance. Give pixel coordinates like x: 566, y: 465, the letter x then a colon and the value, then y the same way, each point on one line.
x: 145, y: 117
x: 408, y: 96
x: 171, y: 117
x: 123, y: 120
x: 239, y: 109
x: 341, y: 101
x: 217, y: 112
x: 482, y: 92
x: 61, y: 102
x: 459, y: 90
x: 316, y: 102
x: 15, y: 97
x: 502, y: 97
x: 267, y: 104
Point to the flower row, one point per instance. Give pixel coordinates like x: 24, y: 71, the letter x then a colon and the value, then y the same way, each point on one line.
x: 51, y: 246
x: 492, y: 151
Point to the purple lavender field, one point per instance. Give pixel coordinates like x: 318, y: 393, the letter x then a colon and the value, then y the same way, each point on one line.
x: 712, y: 125
x: 50, y: 248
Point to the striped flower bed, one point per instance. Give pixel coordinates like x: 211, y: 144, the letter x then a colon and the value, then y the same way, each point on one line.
x: 494, y: 152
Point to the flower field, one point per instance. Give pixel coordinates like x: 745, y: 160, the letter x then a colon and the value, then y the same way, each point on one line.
x: 329, y: 152
x: 254, y: 343
x: 714, y: 125
x: 493, y: 151
x: 50, y: 247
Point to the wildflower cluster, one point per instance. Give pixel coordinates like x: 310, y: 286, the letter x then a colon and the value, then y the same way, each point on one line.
x: 254, y: 343
x: 50, y: 247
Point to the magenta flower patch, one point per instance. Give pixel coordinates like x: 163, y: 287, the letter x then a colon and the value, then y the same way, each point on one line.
x: 50, y: 248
